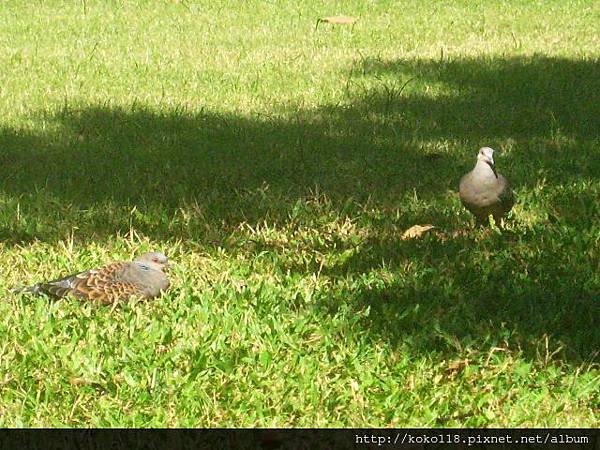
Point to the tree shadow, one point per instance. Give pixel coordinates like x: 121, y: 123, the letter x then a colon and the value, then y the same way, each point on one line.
x: 519, y: 97
x: 454, y: 294
x: 519, y: 286
x: 383, y: 142
x: 407, y: 126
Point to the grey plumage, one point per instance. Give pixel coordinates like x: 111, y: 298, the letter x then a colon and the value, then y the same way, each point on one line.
x: 483, y: 191
x: 143, y: 277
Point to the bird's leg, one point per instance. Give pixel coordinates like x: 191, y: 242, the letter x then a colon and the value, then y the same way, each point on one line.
x: 480, y: 222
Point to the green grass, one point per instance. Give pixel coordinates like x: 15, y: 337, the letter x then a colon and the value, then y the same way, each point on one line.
x: 278, y: 167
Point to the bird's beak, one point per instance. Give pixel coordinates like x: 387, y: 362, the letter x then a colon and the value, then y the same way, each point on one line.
x: 170, y: 265
x: 490, y: 161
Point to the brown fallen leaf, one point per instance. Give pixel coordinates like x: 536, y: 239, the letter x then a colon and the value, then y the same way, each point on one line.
x: 456, y: 366
x: 76, y: 381
x: 337, y: 20
x: 416, y: 231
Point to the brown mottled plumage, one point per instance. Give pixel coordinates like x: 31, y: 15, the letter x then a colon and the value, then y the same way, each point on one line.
x: 143, y: 278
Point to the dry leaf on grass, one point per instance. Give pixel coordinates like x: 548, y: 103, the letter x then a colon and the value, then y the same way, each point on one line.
x: 79, y: 382
x: 416, y: 231
x: 76, y: 381
x: 456, y: 366
x: 337, y: 20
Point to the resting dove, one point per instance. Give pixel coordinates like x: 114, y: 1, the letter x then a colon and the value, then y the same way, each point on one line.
x: 143, y: 277
x: 483, y: 191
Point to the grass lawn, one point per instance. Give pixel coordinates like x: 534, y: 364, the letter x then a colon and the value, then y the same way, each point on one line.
x: 278, y: 166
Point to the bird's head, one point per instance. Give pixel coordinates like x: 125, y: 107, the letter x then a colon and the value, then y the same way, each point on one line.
x: 486, y: 155
x: 157, y: 259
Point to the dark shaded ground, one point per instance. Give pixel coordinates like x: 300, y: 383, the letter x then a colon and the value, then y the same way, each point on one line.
x: 383, y: 143
x: 96, y: 163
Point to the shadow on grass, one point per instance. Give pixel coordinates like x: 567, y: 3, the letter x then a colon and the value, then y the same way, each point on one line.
x: 383, y: 143
x: 474, y: 292
x: 408, y: 125
x: 525, y: 97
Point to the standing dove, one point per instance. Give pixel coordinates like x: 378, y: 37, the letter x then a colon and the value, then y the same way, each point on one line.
x: 483, y: 191
x: 143, y: 277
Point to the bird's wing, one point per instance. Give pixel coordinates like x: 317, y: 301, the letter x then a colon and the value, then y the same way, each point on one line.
x: 505, y: 194
x: 102, y: 284
x: 109, y: 293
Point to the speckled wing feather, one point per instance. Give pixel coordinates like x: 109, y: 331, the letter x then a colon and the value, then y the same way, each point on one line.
x: 103, y: 284
x: 143, y: 277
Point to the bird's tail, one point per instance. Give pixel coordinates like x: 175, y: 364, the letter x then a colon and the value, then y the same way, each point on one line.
x: 35, y: 289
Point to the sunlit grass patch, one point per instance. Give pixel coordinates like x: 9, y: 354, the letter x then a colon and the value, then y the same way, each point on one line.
x: 279, y: 167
